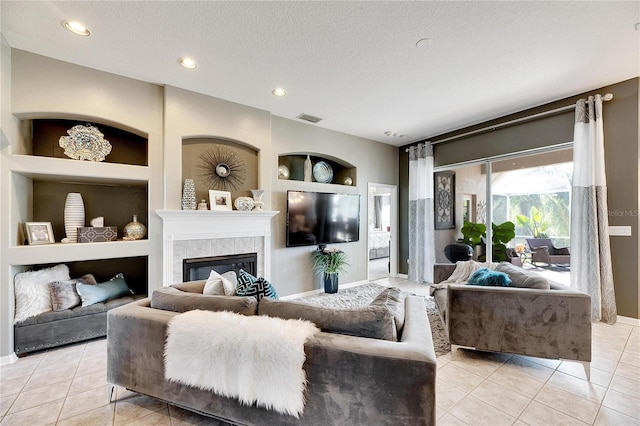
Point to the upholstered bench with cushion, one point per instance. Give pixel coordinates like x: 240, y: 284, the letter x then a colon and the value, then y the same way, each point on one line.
x: 53, y: 310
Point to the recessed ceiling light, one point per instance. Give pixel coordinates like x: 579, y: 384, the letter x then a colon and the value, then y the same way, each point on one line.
x: 279, y: 91
x: 394, y: 134
x: 76, y: 28
x: 423, y: 43
x: 188, y: 63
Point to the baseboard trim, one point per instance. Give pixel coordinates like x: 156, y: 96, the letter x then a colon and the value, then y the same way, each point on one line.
x: 321, y: 290
x: 8, y: 359
x: 628, y: 320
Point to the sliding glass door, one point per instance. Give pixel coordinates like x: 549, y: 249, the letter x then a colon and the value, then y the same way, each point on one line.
x: 532, y: 192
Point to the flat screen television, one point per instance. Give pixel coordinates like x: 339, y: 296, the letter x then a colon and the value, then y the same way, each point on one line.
x: 317, y: 218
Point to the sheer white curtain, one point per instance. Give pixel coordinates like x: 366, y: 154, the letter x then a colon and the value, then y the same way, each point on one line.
x: 421, y: 226
x: 590, y: 250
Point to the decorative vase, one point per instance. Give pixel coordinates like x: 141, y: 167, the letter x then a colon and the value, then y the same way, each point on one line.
x: 283, y: 172
x: 202, y: 205
x: 458, y: 252
x: 257, y: 199
x: 189, y: 195
x: 330, y: 283
x: 244, y: 204
x: 307, y: 169
x: 135, y: 229
x: 73, y: 215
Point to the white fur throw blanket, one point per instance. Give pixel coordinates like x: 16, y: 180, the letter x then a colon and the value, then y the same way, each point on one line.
x: 464, y: 269
x: 256, y: 359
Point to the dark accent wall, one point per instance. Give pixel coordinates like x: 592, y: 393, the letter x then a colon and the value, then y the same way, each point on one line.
x: 621, y: 155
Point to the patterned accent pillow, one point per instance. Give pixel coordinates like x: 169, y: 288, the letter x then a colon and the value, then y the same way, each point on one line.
x: 64, y: 294
x: 248, y: 285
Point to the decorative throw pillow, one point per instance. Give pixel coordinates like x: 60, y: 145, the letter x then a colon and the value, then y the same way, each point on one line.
x: 221, y: 285
x: 32, y: 291
x: 487, y: 277
x: 248, y: 285
x: 91, y: 294
x: 392, y: 299
x: 524, y: 279
x: 64, y: 294
x: 372, y: 321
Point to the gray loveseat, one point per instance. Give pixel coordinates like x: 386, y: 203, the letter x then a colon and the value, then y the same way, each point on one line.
x: 533, y: 316
x: 351, y: 380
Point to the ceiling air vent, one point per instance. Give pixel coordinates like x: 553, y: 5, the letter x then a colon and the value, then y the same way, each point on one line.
x: 309, y: 118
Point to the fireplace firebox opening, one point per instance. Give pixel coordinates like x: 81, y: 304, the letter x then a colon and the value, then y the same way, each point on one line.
x: 199, y: 268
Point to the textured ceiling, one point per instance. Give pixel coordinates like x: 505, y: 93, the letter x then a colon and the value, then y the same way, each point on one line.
x: 354, y: 64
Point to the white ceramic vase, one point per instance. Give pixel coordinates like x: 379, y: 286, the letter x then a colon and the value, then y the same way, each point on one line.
x: 307, y: 169
x: 73, y: 215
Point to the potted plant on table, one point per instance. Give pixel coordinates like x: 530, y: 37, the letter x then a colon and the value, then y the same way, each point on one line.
x: 330, y: 262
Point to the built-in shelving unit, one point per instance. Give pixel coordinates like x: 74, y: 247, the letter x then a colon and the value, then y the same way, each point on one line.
x: 115, y: 189
x: 295, y: 164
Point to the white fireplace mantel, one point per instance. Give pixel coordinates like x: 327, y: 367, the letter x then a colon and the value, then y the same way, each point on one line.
x: 185, y: 225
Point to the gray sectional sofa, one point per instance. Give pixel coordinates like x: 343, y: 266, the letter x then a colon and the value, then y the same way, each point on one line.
x: 351, y: 380
x: 533, y: 316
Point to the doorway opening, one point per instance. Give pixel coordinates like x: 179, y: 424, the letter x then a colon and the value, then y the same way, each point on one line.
x: 382, y: 231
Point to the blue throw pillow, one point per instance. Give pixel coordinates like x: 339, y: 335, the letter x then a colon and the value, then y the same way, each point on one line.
x: 248, y: 285
x: 485, y: 276
x: 96, y: 293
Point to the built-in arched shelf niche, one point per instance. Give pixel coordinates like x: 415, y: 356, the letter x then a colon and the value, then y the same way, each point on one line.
x: 195, y: 160
x: 294, y: 162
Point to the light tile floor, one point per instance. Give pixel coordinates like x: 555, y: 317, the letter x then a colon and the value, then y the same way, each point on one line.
x: 67, y: 386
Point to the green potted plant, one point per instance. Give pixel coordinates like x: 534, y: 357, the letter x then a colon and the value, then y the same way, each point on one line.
x: 330, y: 262
x: 474, y: 233
x: 501, y: 235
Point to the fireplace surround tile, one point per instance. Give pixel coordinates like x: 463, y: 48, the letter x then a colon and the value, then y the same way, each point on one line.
x: 244, y: 245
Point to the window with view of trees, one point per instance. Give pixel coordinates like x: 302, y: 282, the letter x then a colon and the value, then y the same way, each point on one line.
x: 537, y: 200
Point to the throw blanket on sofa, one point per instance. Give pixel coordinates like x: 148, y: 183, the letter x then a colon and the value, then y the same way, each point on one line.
x: 464, y: 269
x: 256, y: 359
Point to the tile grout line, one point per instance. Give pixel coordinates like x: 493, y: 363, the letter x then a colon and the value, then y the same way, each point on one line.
x: 70, y: 384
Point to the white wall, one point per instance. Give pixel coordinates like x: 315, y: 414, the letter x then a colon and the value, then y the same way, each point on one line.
x: 189, y: 114
x: 375, y: 162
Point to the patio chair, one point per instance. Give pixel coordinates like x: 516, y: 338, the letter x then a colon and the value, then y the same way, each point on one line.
x: 543, y: 251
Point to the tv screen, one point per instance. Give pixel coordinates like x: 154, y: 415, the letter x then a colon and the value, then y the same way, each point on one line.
x: 315, y: 218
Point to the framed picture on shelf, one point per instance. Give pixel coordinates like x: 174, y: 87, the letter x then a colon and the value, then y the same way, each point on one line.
x: 220, y: 200
x: 444, y: 199
x: 39, y: 233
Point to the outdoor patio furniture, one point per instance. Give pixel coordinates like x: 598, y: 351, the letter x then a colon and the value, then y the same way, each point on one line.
x: 543, y: 251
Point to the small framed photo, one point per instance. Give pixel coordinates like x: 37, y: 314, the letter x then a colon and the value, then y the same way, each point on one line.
x: 220, y: 200
x: 39, y: 233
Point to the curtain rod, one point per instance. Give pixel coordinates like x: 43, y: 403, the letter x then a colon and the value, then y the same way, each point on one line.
x: 606, y: 97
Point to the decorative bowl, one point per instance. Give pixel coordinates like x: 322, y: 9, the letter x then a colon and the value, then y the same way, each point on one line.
x: 244, y: 204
